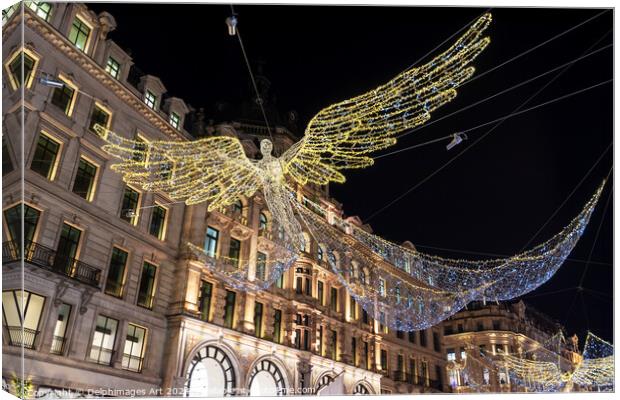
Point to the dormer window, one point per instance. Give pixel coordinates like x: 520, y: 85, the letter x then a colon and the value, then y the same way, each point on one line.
x: 175, y: 120
x: 150, y: 99
x: 113, y: 67
x: 79, y: 34
x: 41, y: 8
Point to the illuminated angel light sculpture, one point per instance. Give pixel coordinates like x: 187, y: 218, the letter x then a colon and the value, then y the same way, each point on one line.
x: 216, y: 170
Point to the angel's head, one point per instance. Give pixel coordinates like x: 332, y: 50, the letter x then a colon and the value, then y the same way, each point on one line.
x: 266, y: 147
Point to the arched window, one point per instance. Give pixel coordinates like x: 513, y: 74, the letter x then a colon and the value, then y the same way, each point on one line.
x: 210, y: 374
x: 262, y: 222
x: 266, y: 380
x: 324, y: 381
x: 361, y: 389
x: 237, y: 207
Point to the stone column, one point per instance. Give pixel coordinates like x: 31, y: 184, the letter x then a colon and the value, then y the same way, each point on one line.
x: 192, y: 290
x: 247, y: 319
x: 219, y: 301
x: 268, y: 319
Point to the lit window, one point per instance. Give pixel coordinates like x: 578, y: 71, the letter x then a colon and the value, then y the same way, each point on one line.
x: 129, y: 205
x: 84, y: 184
x: 150, y: 99
x: 102, y: 347
x: 100, y: 115
x: 262, y: 222
x: 258, y: 319
x: 8, y: 12
x: 175, y: 120
x: 41, y: 8
x: 204, y: 299
x: 382, y: 287
x: 60, y: 329
x: 45, y: 157
x: 146, y: 291
x: 64, y: 97
x: 237, y: 207
x: 384, y: 360
x: 157, y: 226
x: 116, y: 273
x: 13, y: 220
x: 229, y: 309
x: 133, y: 353
x: 234, y: 251
x: 79, y: 34
x: 334, y: 299
x: 66, y: 251
x: 22, y: 313
x: 14, y: 69
x: 319, y: 253
x: 113, y: 67
x: 261, y: 266
x: 450, y: 355
x: 211, y: 241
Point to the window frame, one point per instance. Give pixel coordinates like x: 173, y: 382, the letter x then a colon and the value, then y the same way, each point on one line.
x: 51, y: 174
x: 147, y: 99
x: 142, y: 350
x: 7, y: 66
x: 151, y: 303
x: 164, y: 227
x: 90, y: 195
x: 101, y: 107
x: 208, y: 239
x: 109, y: 69
x: 38, y: 4
x: 134, y: 220
x: 68, y: 111
x: 175, y: 120
x: 84, y: 21
x: 123, y: 280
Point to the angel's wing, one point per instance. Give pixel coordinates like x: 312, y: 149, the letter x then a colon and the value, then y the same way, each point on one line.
x: 214, y: 169
x: 341, y: 135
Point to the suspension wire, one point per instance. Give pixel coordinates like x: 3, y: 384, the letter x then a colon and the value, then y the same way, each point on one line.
x: 446, y: 40
x: 503, y: 92
x: 500, y: 119
x: 499, y: 122
x: 487, y: 254
x: 569, y: 195
x: 598, y: 231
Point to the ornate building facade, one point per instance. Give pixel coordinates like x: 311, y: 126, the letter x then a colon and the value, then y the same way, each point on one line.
x: 113, y: 303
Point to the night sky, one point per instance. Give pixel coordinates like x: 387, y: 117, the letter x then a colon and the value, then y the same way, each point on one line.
x: 494, y: 197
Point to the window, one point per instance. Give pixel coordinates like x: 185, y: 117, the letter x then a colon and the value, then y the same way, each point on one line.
x: 64, y: 97
x: 308, y: 287
x: 229, y: 309
x: 450, y: 354
x: 400, y: 365
x: 299, y: 285
x: 333, y: 299
x: 60, y: 329
x: 365, y: 318
x: 175, y: 120
x: 116, y: 273
x: 8, y: 12
x: 113, y: 67
x: 382, y: 287
x: 150, y: 99
x: 280, y: 281
x: 320, y: 293
x: 84, y: 183
x: 261, y: 265
x: 157, y: 227
x: 447, y: 330
x: 460, y: 328
x: 79, y: 34
x: 258, y: 319
x: 100, y: 115
x: 413, y: 371
x: 352, y: 308
x: 384, y: 360
x: 277, y: 326
x: 140, y: 149
x: 334, y: 345
x: 237, y: 207
x: 102, y: 347
x: 7, y: 163
x: 67, y: 249
x: 211, y: 241
x: 436, y: 343
x: 354, y: 351
x: 14, y: 69
x: 22, y: 312
x: 463, y: 353
x: 319, y: 253
x: 234, y: 251
x: 480, y: 326
x: 129, y: 205
x: 411, y: 336
x: 41, y: 8
x: 366, y: 355
x: 496, y: 325
x: 146, y: 290
x: 424, y: 373
x: 13, y: 218
x: 133, y: 353
x: 423, y: 338
x: 204, y: 299
x: 400, y: 334
x: 262, y: 222
x: 45, y: 157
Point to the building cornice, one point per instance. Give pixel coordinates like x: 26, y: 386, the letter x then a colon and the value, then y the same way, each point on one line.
x: 94, y: 70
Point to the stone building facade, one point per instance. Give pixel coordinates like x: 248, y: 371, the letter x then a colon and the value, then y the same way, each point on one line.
x: 114, y: 303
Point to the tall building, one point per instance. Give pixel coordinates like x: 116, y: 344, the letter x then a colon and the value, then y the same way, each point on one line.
x: 114, y: 303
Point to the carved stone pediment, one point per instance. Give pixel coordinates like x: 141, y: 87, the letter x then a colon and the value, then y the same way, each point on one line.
x: 265, y: 245
x: 241, y: 232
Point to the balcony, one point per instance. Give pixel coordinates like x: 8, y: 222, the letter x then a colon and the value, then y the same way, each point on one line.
x: 21, y: 337
x: 48, y: 259
x: 58, y: 345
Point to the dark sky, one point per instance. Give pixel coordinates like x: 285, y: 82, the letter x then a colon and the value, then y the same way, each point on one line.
x: 494, y: 197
